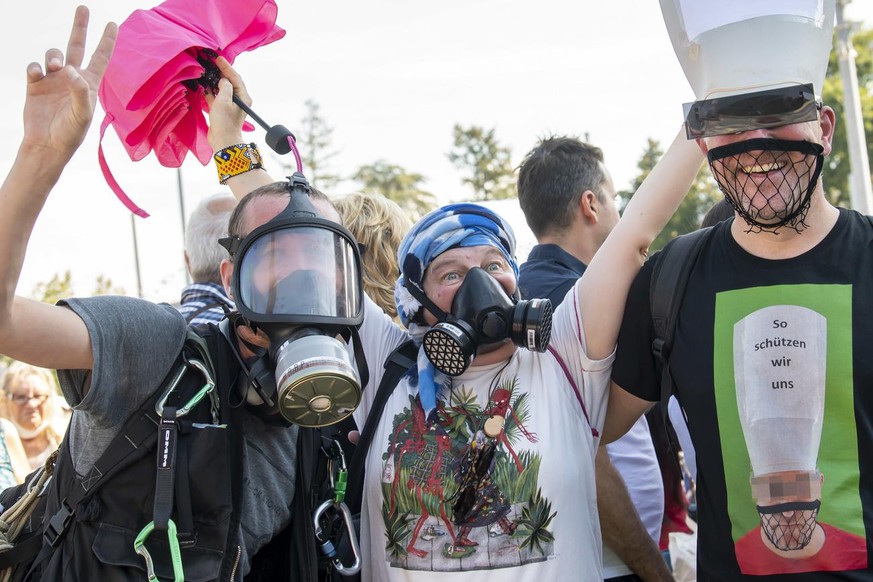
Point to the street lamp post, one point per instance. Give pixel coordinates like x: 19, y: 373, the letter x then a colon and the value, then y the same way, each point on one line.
x: 136, y: 256
x: 859, y: 182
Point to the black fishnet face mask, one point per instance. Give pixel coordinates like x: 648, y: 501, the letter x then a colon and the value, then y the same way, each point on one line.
x: 789, y: 526
x: 769, y: 182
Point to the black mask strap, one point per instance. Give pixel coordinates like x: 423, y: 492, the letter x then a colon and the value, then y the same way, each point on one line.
x: 419, y: 295
x: 360, y: 358
x: 258, y: 373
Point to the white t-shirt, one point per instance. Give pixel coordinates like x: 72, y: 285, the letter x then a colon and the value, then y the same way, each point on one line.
x: 534, y: 515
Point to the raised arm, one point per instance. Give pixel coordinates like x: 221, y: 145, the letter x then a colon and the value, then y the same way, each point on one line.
x: 604, y: 286
x: 58, y: 110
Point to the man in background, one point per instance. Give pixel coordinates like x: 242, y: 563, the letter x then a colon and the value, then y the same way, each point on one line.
x: 569, y: 202
x: 204, y: 300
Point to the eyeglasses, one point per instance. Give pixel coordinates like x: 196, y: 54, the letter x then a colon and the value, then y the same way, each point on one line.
x: 22, y: 399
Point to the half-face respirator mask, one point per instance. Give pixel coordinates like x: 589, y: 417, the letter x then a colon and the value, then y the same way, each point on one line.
x: 482, y: 313
x: 298, y: 278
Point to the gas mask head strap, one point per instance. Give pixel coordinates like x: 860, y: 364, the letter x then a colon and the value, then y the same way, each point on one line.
x: 419, y: 295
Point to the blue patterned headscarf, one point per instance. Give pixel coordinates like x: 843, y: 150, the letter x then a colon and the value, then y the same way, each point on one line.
x: 455, y: 225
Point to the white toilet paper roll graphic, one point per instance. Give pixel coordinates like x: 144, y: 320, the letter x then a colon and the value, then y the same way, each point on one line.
x: 780, y: 362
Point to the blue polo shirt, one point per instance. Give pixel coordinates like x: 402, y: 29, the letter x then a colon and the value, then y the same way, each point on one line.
x: 549, y: 271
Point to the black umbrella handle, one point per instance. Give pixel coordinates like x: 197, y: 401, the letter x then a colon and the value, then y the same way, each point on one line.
x: 277, y: 135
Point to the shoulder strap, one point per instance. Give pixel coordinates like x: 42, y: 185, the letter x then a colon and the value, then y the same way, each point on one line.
x: 137, y: 439
x: 399, y: 362
x: 667, y: 290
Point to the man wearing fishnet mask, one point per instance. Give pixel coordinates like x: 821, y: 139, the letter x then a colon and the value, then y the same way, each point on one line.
x: 770, y: 356
x: 769, y: 182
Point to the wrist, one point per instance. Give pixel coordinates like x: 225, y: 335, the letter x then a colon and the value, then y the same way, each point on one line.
x: 40, y: 161
x: 223, y: 140
x: 237, y: 159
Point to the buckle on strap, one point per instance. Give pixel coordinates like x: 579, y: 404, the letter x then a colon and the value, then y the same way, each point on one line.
x: 58, y: 524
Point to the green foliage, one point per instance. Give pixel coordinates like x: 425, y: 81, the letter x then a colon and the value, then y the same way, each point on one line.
x: 459, y: 414
x: 316, y: 148
x: 517, y: 487
x: 520, y: 412
x: 397, y: 531
x: 703, y: 194
x: 536, y: 517
x: 60, y: 286
x: 104, y: 286
x: 406, y: 498
x: 837, y: 165
x: 486, y: 163
x: 395, y: 183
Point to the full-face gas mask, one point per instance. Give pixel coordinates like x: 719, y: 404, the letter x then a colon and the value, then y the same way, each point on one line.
x: 298, y: 278
x: 482, y: 314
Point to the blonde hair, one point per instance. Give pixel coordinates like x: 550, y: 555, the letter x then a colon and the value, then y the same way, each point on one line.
x: 379, y: 224
x: 21, y: 373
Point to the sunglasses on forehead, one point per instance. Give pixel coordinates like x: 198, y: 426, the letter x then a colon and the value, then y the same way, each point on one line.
x: 749, y: 111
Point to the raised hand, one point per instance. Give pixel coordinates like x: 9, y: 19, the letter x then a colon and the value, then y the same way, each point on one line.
x: 225, y: 117
x: 60, y: 99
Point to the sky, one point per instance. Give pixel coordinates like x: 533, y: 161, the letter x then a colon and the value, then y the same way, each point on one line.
x: 392, y: 78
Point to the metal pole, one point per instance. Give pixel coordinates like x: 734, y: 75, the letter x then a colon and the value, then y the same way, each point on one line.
x: 182, y: 216
x: 136, y: 257
x: 859, y: 181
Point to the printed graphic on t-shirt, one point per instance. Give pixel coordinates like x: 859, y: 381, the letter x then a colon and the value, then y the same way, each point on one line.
x: 783, y: 381
x: 460, y: 489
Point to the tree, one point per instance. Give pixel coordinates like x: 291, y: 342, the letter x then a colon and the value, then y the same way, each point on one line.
x: 57, y: 288
x: 837, y: 166
x: 396, y: 184
x: 105, y: 286
x: 701, y: 196
x: 477, y: 152
x: 316, y: 151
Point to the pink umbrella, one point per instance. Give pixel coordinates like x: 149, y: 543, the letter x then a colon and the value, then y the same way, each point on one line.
x: 153, y: 89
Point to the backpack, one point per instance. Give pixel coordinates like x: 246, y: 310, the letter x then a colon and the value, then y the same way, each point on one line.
x: 81, y: 530
x: 666, y: 292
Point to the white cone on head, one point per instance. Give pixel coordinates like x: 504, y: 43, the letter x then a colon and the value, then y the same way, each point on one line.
x: 744, y: 46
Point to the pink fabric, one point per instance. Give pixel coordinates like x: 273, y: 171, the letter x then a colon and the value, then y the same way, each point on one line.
x: 142, y: 91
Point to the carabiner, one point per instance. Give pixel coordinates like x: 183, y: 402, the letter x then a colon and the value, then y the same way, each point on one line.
x: 207, y: 388
x: 338, y: 484
x: 175, y: 552
x: 327, y: 546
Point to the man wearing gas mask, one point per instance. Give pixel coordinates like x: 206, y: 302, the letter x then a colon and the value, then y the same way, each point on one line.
x: 113, y: 353
x: 481, y: 466
x: 770, y: 358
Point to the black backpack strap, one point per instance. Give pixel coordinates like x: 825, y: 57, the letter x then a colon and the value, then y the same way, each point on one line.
x: 398, y: 363
x: 136, y: 439
x: 667, y: 290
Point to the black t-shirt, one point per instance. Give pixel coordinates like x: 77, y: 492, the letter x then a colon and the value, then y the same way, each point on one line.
x: 767, y: 355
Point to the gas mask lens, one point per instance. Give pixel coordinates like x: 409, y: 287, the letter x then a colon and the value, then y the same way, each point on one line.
x: 301, y: 271
x: 483, y: 314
